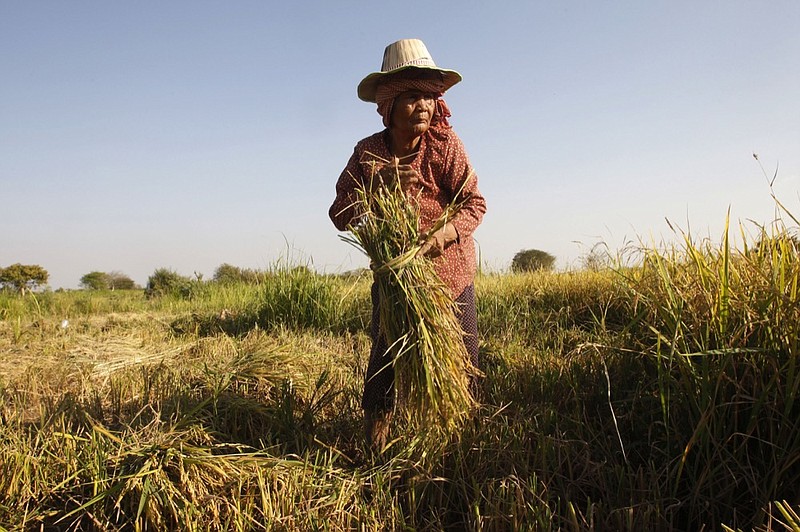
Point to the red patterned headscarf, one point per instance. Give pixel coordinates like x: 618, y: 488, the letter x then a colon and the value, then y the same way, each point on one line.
x: 388, y: 90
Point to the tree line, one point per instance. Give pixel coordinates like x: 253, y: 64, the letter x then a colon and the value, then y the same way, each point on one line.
x: 23, y: 278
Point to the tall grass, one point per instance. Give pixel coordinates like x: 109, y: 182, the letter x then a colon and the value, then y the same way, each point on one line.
x: 721, y: 326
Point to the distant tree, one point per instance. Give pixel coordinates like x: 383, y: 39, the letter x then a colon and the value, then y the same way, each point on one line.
x: 23, y: 277
x: 107, y: 281
x: 95, y: 281
x: 531, y: 260
x: 227, y: 273
x: 302, y: 271
x: 597, y: 258
x: 167, y: 282
x: 353, y: 274
x: 119, y: 281
x: 783, y: 241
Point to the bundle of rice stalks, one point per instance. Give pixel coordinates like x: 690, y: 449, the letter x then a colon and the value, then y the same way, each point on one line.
x: 417, y: 310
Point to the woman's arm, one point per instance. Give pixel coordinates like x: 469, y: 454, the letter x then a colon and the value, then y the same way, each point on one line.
x: 345, y: 207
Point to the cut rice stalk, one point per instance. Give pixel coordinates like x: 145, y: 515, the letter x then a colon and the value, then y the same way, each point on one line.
x: 417, y: 310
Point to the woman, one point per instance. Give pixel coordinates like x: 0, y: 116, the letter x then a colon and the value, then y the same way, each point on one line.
x: 429, y: 160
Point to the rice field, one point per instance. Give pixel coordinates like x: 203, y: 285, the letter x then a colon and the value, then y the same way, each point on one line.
x: 658, y: 394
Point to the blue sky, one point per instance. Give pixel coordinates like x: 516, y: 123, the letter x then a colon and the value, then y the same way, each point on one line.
x: 141, y: 135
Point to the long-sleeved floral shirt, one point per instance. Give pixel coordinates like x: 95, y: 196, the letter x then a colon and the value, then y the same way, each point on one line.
x: 444, y: 169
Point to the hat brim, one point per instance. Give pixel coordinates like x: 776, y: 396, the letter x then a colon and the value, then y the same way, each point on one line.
x: 369, y: 85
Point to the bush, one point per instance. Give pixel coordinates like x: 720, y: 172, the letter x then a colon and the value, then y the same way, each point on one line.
x: 531, y: 260
x: 229, y: 274
x: 165, y: 282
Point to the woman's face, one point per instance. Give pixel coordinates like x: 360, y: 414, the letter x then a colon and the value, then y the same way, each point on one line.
x: 412, y: 113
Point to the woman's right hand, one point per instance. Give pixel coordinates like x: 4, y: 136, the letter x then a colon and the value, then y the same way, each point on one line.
x: 394, y: 172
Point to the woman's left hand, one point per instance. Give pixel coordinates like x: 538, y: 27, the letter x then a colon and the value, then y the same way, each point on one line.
x: 434, y: 244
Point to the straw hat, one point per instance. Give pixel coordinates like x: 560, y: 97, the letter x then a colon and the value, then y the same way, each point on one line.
x: 398, y: 56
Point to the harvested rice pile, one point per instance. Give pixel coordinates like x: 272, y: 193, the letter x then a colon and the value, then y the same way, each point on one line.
x: 417, y: 310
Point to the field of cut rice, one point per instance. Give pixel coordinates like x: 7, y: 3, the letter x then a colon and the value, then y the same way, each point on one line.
x: 661, y: 394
